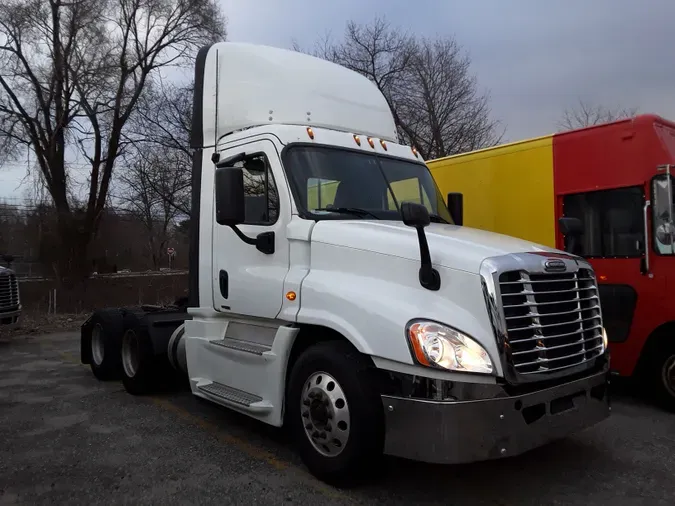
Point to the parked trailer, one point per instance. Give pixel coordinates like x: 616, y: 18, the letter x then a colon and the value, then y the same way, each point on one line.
x: 368, y: 324
x: 614, y: 184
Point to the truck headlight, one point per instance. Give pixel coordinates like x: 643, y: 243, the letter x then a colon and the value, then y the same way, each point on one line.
x: 437, y: 345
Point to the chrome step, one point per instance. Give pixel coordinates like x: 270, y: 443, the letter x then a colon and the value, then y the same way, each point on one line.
x: 245, y: 346
x: 230, y: 394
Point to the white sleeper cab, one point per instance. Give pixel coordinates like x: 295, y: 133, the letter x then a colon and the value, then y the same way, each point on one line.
x: 333, y: 291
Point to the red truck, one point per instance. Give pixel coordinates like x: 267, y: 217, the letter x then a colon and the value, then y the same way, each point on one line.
x: 610, y: 189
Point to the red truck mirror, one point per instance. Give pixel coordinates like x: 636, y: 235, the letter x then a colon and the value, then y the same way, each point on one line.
x: 571, y: 228
x: 456, y: 207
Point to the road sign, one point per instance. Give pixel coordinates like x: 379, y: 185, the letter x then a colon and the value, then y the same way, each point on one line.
x: 170, y: 251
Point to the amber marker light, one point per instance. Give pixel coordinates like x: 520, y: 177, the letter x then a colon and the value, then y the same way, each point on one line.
x: 357, y: 139
x: 416, y: 338
x: 310, y: 132
x: 370, y: 141
x: 412, y: 148
x: 383, y: 144
x: 291, y: 296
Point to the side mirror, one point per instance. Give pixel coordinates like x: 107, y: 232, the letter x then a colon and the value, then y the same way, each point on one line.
x: 456, y: 207
x: 571, y: 228
x: 665, y: 233
x: 230, y: 206
x: 415, y: 215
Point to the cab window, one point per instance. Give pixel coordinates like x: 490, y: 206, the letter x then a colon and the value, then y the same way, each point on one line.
x: 260, y: 191
x: 613, y: 221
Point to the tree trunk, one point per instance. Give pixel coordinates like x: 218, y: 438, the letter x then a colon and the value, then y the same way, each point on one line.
x: 72, y: 262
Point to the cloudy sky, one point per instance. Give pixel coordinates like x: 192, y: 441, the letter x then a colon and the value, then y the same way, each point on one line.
x: 535, y: 57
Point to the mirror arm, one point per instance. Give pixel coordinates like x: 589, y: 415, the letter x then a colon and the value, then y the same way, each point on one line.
x: 245, y: 238
x: 263, y: 242
x: 645, y: 213
x: 428, y: 276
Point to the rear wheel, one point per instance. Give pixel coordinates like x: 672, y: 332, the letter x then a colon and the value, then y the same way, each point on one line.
x: 138, y: 362
x: 104, y: 344
x: 335, y: 415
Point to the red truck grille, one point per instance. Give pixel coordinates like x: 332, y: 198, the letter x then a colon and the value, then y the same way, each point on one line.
x: 9, y: 292
x: 553, y: 321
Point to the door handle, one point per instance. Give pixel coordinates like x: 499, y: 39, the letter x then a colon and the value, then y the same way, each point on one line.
x: 223, y: 281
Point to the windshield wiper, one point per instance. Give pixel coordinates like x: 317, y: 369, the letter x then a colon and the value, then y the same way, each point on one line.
x: 435, y: 218
x: 348, y: 210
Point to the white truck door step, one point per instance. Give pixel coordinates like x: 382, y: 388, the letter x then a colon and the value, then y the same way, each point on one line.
x: 235, y: 396
x: 244, y: 346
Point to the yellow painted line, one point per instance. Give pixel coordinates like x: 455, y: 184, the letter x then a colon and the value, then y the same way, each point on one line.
x: 225, y: 438
x: 213, y: 429
x: 69, y: 357
x: 247, y: 448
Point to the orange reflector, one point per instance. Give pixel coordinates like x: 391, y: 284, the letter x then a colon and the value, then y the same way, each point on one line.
x: 291, y: 296
x: 357, y: 139
x: 383, y: 144
x: 310, y: 132
x: 602, y: 277
x: 370, y: 141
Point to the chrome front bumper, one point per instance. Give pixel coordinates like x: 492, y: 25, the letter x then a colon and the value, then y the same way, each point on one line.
x: 10, y: 317
x: 468, y: 431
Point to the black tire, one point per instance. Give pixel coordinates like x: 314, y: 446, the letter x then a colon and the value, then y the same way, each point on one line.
x: 103, y: 344
x: 139, y: 366
x: 359, y: 458
x: 661, y: 374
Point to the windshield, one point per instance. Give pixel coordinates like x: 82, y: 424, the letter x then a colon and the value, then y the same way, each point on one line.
x: 329, y: 183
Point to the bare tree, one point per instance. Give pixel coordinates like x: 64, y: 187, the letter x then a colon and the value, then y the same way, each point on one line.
x: 73, y: 73
x: 163, y: 126
x: 585, y: 114
x: 142, y: 186
x: 435, y: 101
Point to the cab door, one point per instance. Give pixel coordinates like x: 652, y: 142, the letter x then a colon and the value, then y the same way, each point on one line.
x: 616, y: 242
x: 247, y: 281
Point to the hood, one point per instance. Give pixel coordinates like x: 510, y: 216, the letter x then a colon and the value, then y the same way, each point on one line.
x: 451, y: 246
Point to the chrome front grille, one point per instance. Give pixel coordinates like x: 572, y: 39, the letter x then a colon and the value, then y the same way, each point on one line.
x: 552, y: 321
x: 9, y: 292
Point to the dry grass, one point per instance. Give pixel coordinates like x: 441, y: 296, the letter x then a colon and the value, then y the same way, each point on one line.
x: 31, y: 324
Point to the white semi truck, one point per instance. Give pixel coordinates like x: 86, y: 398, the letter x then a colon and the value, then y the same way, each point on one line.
x: 333, y: 292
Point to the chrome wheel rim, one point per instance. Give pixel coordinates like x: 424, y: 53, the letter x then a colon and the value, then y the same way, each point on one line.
x: 97, y: 344
x: 668, y: 375
x: 325, y: 414
x: 130, y: 353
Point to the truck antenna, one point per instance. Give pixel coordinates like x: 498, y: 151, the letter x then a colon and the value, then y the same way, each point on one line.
x: 216, y: 156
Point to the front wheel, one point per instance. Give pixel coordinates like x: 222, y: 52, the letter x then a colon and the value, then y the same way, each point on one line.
x: 657, y: 373
x: 335, y: 414
x: 665, y: 383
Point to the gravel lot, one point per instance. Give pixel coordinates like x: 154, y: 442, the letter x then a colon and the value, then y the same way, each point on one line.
x: 66, y: 438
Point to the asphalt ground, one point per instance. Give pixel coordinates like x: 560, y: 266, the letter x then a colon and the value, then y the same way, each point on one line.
x: 66, y: 438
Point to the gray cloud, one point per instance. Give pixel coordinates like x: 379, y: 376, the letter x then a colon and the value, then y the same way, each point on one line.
x: 534, y: 56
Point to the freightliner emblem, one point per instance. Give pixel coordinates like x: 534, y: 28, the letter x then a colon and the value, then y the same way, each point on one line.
x: 554, y: 265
